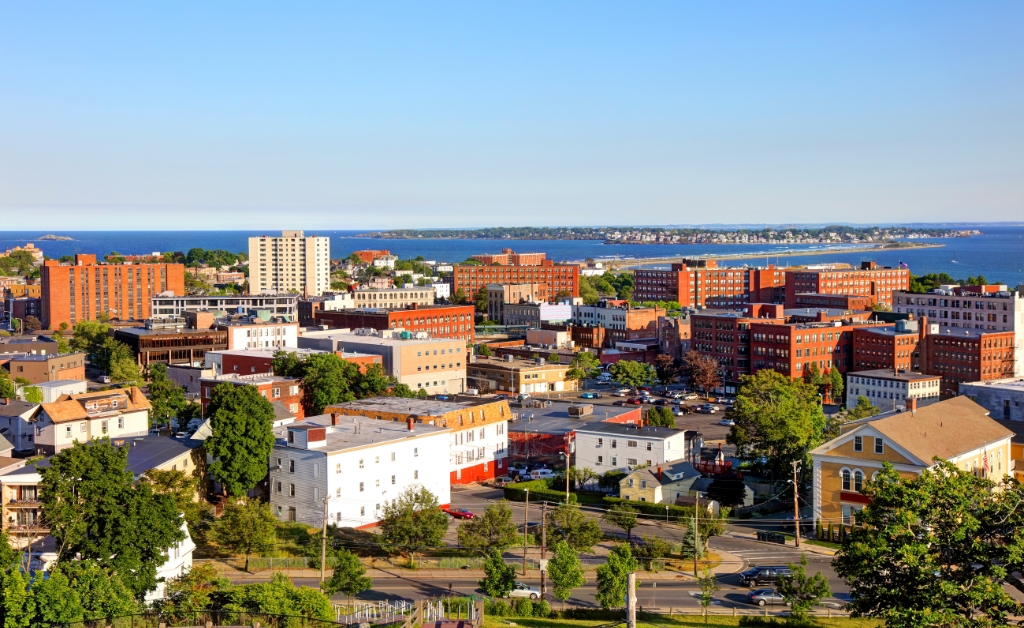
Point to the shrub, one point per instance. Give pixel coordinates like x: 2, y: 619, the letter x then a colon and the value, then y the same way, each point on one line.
x: 790, y: 622
x: 542, y: 609
x: 522, y: 607
x: 497, y: 608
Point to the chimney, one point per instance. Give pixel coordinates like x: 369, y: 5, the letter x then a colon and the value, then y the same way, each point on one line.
x: 410, y: 423
x: 912, y: 404
x: 335, y: 418
x: 922, y: 328
x: 659, y: 474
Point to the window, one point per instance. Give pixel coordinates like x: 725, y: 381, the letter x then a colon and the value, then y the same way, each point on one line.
x: 614, y: 443
x: 337, y: 469
x: 649, y: 446
x: 291, y: 466
x: 630, y: 443
x: 362, y: 511
x: 643, y: 483
x: 291, y: 490
x: 360, y: 463
x: 392, y: 456
x: 103, y: 427
x: 415, y: 474
x: 67, y: 431
x: 392, y: 480
x: 337, y: 492
x: 629, y: 482
x: 846, y: 479
x: 631, y: 462
x: 120, y: 423
x: 615, y: 461
x: 279, y: 487
x: 600, y: 460
x: 376, y: 483
x: 316, y: 470
x: 600, y: 442
x: 858, y: 443
x: 879, y: 446
x: 360, y: 487
x: 858, y: 480
x: 415, y: 452
x: 316, y: 493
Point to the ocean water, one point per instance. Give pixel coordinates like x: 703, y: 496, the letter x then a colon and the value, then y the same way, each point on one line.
x: 998, y: 254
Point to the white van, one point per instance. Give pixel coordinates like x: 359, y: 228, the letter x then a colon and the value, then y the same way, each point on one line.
x: 542, y: 474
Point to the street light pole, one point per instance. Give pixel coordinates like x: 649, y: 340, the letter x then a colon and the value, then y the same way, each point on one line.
x: 796, y: 501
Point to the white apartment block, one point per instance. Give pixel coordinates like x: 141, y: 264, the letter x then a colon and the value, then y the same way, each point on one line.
x: 292, y: 262
x: 386, y: 262
x: 996, y: 309
x: 113, y: 414
x: 355, y: 464
x: 393, y: 298
x: 442, y: 290
x: 603, y: 447
x: 887, y: 390
x: 247, y: 334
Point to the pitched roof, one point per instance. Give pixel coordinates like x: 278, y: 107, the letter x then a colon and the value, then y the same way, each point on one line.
x: 16, y: 407
x: 72, y: 407
x: 941, y: 430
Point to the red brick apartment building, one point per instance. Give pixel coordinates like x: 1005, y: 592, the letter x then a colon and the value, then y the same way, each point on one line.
x: 557, y: 277
x: 832, y: 301
x: 508, y: 257
x: 870, y: 280
x: 88, y: 291
x: 964, y: 355
x: 367, y: 256
x: 284, y: 390
x: 440, y: 321
x: 694, y: 283
x: 892, y: 347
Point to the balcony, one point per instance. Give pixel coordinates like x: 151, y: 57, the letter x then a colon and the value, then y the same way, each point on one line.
x: 24, y: 503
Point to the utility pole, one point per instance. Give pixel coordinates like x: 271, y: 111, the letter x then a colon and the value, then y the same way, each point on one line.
x: 323, y: 547
x: 526, y: 529
x: 568, y: 467
x: 631, y: 600
x: 543, y: 549
x: 696, y: 536
x: 796, y: 501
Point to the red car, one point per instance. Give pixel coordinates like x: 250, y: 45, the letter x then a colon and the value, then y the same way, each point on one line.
x: 635, y: 401
x: 459, y: 513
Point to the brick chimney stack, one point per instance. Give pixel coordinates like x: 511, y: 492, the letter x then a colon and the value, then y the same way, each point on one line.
x: 410, y: 423
x: 335, y: 418
x: 912, y: 404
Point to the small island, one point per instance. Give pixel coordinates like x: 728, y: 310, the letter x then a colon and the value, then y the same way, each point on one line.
x: 57, y: 238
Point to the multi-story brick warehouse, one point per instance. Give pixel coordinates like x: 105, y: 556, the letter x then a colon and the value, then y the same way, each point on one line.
x: 965, y: 355
x: 694, y: 283
x: 892, y: 347
x: 559, y: 279
x: 870, y: 280
x: 440, y: 321
x: 88, y: 291
x: 509, y: 257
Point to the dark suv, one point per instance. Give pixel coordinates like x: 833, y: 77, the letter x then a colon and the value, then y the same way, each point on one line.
x: 758, y: 576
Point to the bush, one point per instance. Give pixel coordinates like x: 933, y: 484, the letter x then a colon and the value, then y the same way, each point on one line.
x: 542, y: 609
x: 789, y: 622
x: 522, y: 607
x: 540, y: 490
x: 497, y: 608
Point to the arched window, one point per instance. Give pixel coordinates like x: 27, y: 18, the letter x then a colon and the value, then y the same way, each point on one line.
x: 858, y: 480
x: 846, y: 479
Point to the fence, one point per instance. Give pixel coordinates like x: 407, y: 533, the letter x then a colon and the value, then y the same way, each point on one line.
x: 199, y: 618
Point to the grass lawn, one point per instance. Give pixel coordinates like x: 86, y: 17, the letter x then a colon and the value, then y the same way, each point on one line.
x: 827, y: 544
x: 663, y: 622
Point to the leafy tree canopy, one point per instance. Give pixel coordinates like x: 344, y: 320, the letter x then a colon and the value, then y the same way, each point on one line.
x: 413, y: 522
x: 570, y: 524
x: 242, y: 424
x: 633, y: 373
x: 495, y: 528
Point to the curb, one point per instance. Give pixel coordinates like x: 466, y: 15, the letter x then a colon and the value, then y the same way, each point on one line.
x: 807, y: 547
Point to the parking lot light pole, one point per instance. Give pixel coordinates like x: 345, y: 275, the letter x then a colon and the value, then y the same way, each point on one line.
x: 526, y: 528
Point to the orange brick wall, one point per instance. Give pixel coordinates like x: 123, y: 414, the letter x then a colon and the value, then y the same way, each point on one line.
x: 121, y: 291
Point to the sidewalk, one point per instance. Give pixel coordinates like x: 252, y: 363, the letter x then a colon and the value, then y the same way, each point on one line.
x: 804, y: 545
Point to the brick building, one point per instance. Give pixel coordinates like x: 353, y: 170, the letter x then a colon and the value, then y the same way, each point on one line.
x: 88, y: 291
x: 814, y: 300
x: 870, y: 280
x: 274, y: 389
x: 892, y: 347
x: 171, y: 343
x: 509, y: 374
x: 367, y: 256
x: 508, y: 257
x: 440, y: 321
x: 558, y: 278
x: 498, y: 295
x: 694, y: 283
x: 254, y: 361
x: 620, y: 320
x: 965, y: 355
x: 47, y: 367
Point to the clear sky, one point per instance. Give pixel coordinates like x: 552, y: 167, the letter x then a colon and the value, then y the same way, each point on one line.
x: 352, y: 115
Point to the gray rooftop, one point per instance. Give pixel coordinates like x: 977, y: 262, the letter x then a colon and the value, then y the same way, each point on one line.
x: 888, y: 374
x: 16, y: 407
x: 353, y: 432
x: 145, y: 453
x: 1012, y: 384
x: 622, y: 429
x: 422, y: 407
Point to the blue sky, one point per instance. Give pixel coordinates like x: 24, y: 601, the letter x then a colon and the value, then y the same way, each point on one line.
x: 361, y: 115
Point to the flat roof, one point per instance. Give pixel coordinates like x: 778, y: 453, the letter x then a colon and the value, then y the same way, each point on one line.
x: 353, y: 432
x: 829, y: 311
x: 891, y: 331
x: 266, y: 352
x: 259, y: 378
x: 341, y: 334
x: 625, y: 429
x: 169, y: 330
x: 555, y: 418
x: 1012, y: 384
x: 58, y: 383
x: 421, y: 407
x: 42, y: 357
x: 831, y: 296
x: 515, y: 363
x: 903, y: 376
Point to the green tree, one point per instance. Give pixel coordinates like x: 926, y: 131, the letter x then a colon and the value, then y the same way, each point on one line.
x: 7, y: 388
x: 862, y: 410
x: 183, y: 489
x: 484, y: 350
x: 610, y: 480
x: 349, y: 576
x: 32, y: 323
x: 63, y: 345
x: 493, y: 529
x: 632, y: 373
x: 96, y: 511
x: 246, y: 527
x: 777, y: 418
x: 32, y: 394
x: 622, y: 516
x: 499, y: 578
x: 661, y: 417
x: 280, y: 597
x: 480, y: 299
x: 587, y: 292
x: 803, y: 592
x: 584, y: 365
x: 165, y: 395
x: 652, y: 547
x: 704, y: 371
x: 570, y: 524
x: 287, y: 364
x: 372, y: 382
x: 243, y: 437
x: 413, y: 522
x: 934, y: 549
x: 835, y: 383
x: 565, y: 571
x: 813, y: 376
x: 459, y: 297
x: 193, y: 591
x: 118, y: 360
x: 328, y: 381
x: 89, y: 336
x: 708, y: 587
x: 611, y: 577
x: 403, y: 390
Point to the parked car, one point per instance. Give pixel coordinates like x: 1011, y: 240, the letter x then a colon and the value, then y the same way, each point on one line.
x: 706, y: 409
x: 634, y: 401
x: 757, y: 576
x: 542, y: 474
x: 523, y: 590
x: 727, y: 422
x: 766, y: 597
x: 620, y: 393
x: 590, y: 395
x: 519, y: 471
x: 105, y: 379
x: 442, y: 397
x: 661, y: 402
x: 502, y: 480
x: 501, y: 396
x: 645, y: 388
x: 691, y: 396
x: 458, y: 513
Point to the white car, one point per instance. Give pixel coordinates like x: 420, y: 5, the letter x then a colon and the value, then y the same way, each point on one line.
x: 522, y: 590
x: 104, y: 379
x: 727, y: 422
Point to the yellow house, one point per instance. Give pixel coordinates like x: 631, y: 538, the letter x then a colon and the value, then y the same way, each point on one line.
x: 957, y: 430
x: 662, y: 484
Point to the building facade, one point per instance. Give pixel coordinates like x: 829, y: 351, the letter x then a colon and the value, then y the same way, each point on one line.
x: 291, y: 262
x: 1003, y: 398
x: 605, y: 447
x: 558, y: 279
x: 887, y: 389
x: 878, y: 283
x: 439, y: 321
x: 508, y: 257
x: 256, y: 333
x: 355, y: 466
x: 965, y: 355
x: 501, y: 295
x: 392, y: 298
x: 515, y: 375
x: 892, y: 347
x: 171, y: 344
x: 87, y: 291
x: 114, y: 414
x: 48, y: 367
x: 275, y: 389
x: 701, y: 283
x: 256, y: 304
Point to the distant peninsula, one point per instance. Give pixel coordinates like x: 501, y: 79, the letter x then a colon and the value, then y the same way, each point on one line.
x: 56, y: 238
x: 837, y: 234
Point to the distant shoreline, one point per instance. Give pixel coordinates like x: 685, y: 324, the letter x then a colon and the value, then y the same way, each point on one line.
x: 644, y: 261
